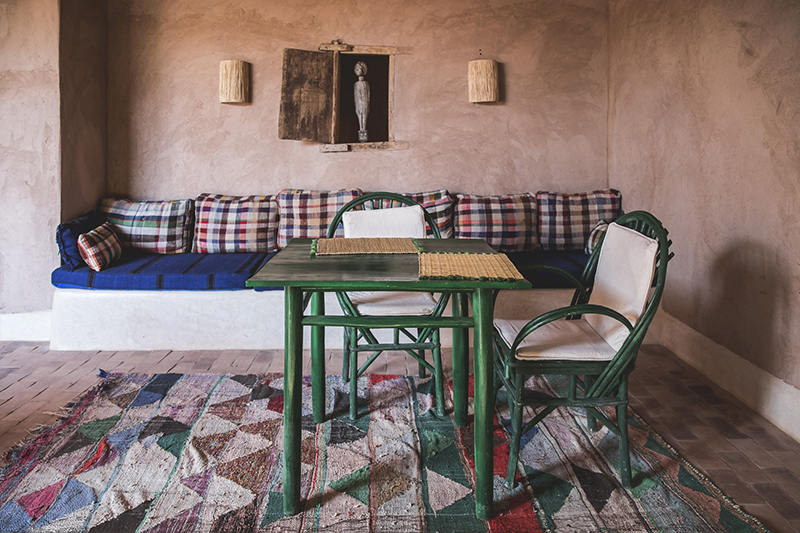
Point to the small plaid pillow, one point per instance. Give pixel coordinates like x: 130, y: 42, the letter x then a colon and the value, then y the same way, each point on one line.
x: 160, y: 227
x: 507, y: 223
x: 230, y: 224
x: 100, y: 246
x: 439, y: 204
x: 565, y: 220
x: 594, y: 237
x: 308, y: 213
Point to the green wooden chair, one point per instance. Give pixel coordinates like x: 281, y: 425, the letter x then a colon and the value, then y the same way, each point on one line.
x: 367, y: 216
x: 594, y: 341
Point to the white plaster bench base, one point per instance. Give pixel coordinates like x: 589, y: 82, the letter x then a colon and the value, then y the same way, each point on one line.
x: 212, y: 320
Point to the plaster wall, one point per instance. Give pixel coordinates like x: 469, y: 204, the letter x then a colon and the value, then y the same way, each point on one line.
x: 704, y: 130
x: 170, y: 137
x: 83, y: 71
x: 29, y: 153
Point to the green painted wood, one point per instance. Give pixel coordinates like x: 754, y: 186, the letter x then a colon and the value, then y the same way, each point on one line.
x: 292, y: 396
x: 294, y: 267
x: 460, y: 361
x: 318, y: 360
x: 388, y: 321
x: 484, y: 395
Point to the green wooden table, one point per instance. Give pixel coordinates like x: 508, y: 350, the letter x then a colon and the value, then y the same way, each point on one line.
x: 298, y: 272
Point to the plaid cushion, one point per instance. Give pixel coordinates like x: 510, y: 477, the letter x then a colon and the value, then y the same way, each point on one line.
x: 308, y: 213
x: 100, y: 246
x: 565, y: 220
x: 67, y: 235
x: 594, y: 237
x: 233, y: 224
x: 163, y: 227
x: 507, y: 223
x: 439, y: 204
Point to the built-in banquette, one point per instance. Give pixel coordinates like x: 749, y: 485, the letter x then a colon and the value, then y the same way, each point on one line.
x: 150, y: 275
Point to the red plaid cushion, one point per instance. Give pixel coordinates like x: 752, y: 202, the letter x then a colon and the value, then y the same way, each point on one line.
x: 230, y: 224
x: 565, y: 220
x: 100, y: 246
x: 507, y: 223
x: 439, y: 204
x: 308, y: 213
x: 160, y: 227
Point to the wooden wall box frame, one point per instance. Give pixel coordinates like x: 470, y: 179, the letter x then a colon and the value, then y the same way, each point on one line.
x: 317, y: 103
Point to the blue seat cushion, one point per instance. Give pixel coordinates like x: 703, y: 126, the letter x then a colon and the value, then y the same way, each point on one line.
x: 573, y: 261
x: 137, y: 270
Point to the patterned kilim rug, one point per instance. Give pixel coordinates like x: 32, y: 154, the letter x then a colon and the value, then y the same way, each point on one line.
x: 202, y: 453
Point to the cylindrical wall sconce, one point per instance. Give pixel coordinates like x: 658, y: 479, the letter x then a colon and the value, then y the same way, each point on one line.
x: 234, y: 82
x: 483, y: 81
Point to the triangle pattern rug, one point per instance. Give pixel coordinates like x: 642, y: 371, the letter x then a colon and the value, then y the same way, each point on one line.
x: 174, y: 453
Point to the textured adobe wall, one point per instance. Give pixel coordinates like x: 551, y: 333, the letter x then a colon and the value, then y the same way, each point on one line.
x: 170, y: 137
x: 29, y: 153
x: 704, y: 130
x: 83, y: 69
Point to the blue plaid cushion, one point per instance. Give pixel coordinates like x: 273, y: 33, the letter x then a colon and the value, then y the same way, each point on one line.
x: 507, y: 223
x: 231, y: 224
x: 565, y: 220
x: 67, y: 235
x: 163, y: 227
x: 308, y: 213
x: 439, y: 204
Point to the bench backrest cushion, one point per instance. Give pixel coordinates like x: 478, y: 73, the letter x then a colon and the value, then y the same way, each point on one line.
x: 235, y: 224
x: 566, y: 220
x: 307, y: 214
x: 507, y: 223
x: 67, y: 238
x: 439, y: 204
x: 163, y: 227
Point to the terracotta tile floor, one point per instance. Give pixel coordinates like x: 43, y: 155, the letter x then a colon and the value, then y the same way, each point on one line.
x: 751, y: 460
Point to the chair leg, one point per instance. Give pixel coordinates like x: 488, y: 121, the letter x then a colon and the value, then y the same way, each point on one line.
x: 515, y: 411
x: 422, y: 370
x: 346, y: 355
x: 622, y: 424
x: 439, y: 371
x: 591, y: 421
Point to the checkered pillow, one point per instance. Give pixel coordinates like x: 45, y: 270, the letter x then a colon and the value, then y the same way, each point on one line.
x: 594, y: 237
x: 565, y: 220
x: 230, y: 224
x: 100, y: 246
x: 308, y: 213
x: 439, y: 204
x: 507, y: 223
x: 163, y: 227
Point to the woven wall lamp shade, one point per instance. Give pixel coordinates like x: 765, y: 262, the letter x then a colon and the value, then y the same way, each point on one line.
x: 234, y: 82
x: 483, y: 81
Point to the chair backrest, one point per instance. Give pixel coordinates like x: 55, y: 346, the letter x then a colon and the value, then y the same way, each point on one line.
x: 646, y: 291
x: 623, y: 278
x: 381, y: 201
x: 396, y: 222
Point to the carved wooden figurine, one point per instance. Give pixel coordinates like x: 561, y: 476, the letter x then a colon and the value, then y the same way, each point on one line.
x: 361, y: 95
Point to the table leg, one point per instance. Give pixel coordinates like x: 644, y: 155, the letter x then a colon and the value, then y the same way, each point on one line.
x: 482, y: 363
x: 318, y: 359
x: 292, y: 398
x: 460, y: 361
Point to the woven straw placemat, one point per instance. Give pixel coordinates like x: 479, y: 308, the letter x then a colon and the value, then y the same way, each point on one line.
x: 389, y: 245
x: 494, y: 267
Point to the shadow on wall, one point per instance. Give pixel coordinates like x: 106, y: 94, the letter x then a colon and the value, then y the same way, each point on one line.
x: 749, y: 306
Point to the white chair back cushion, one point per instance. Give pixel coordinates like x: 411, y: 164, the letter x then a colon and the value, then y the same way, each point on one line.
x: 391, y: 222
x: 622, y: 282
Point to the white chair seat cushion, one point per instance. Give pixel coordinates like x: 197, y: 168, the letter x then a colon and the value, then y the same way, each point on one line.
x: 572, y: 340
x: 393, y: 303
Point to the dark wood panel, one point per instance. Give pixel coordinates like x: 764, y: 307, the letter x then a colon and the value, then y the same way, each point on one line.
x: 306, y: 112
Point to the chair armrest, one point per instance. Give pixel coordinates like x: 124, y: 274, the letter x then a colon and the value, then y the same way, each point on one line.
x: 565, y: 312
